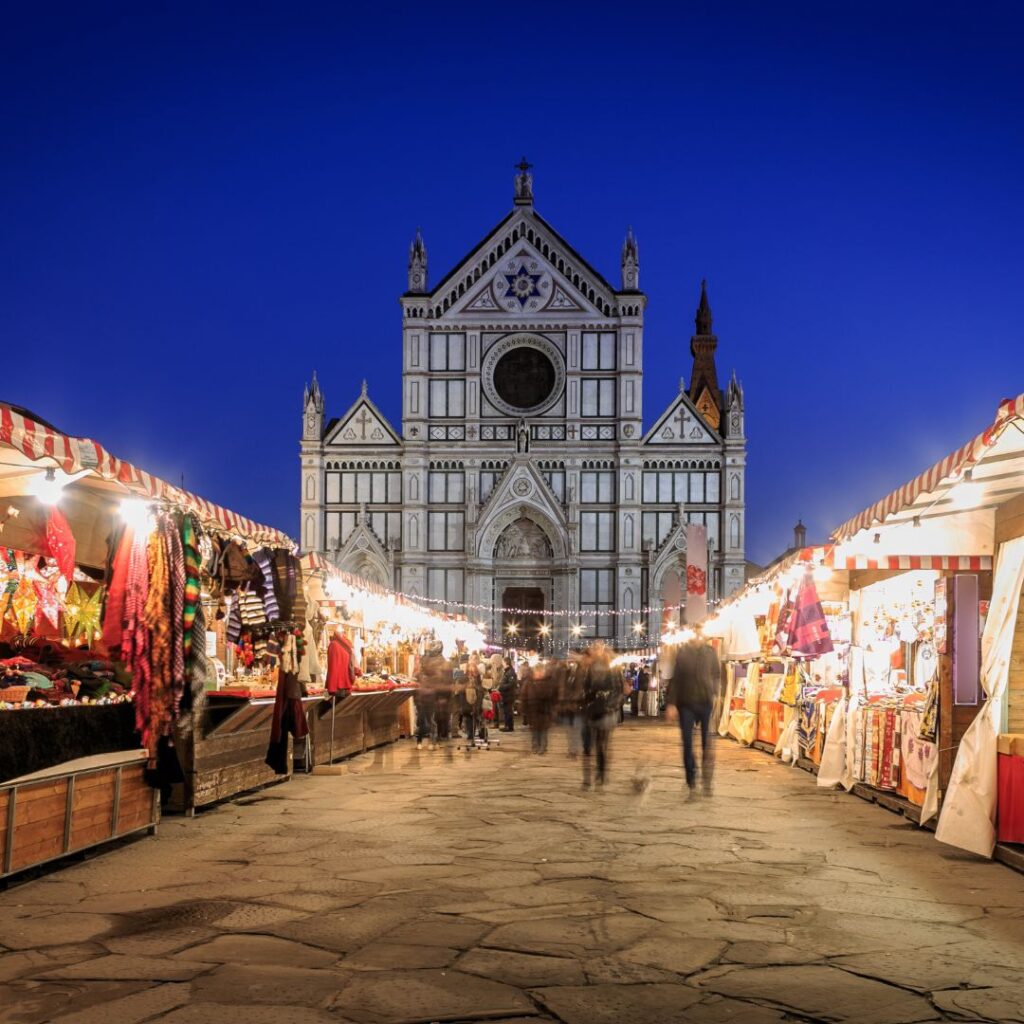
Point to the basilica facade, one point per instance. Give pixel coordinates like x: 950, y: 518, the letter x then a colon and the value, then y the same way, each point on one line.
x: 522, y: 486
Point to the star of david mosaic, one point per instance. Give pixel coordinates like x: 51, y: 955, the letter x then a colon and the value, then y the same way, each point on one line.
x: 522, y: 286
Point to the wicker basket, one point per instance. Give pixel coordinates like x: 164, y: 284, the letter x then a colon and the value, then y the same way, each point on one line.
x: 14, y: 694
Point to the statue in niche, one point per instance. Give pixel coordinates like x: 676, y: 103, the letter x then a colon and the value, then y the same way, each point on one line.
x: 523, y: 539
x: 522, y: 438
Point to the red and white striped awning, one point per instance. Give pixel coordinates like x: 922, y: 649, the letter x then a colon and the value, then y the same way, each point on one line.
x: 37, y: 442
x: 945, y: 471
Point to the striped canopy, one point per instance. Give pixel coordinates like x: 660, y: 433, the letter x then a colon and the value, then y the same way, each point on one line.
x: 34, y: 441
x: 946, y: 471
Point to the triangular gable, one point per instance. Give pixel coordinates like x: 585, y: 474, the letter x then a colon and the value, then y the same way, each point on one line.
x: 363, y: 554
x: 681, y: 423
x: 522, y: 483
x: 363, y: 424
x: 566, y: 282
x: 522, y: 283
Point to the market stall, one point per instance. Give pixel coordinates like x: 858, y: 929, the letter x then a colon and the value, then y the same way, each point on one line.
x: 370, y: 640
x: 102, y: 635
x: 925, y: 702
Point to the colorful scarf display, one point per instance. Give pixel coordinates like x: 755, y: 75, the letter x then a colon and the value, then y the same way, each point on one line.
x: 808, y: 634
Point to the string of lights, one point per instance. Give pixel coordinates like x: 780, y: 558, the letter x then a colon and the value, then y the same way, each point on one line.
x: 467, y: 606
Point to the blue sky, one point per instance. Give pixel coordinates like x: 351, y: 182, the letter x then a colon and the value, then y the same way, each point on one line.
x: 200, y: 204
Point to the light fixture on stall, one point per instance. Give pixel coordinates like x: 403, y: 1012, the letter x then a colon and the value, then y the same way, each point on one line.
x: 576, y: 630
x: 545, y: 629
x: 877, y: 539
x: 481, y: 625
x: 512, y: 628
x: 822, y: 573
x: 638, y: 628
x: 49, y: 485
x: 138, y: 515
x: 916, y: 522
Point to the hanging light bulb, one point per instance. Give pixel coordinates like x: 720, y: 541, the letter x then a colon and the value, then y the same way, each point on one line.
x: 138, y: 515
x: 47, y: 488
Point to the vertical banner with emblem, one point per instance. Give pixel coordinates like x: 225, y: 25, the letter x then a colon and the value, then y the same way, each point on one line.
x: 696, y: 573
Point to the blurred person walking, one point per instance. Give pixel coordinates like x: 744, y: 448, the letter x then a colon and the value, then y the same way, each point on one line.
x: 603, y: 697
x: 692, y: 693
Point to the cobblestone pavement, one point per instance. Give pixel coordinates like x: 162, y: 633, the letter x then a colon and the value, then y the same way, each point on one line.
x: 445, y: 886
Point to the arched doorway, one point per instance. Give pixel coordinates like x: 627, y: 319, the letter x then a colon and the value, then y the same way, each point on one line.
x: 522, y: 565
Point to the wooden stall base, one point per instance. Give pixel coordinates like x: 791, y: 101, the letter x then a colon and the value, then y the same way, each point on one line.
x: 360, y: 721
x: 74, y: 807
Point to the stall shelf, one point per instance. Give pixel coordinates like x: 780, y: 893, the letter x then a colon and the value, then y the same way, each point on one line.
x: 73, y: 807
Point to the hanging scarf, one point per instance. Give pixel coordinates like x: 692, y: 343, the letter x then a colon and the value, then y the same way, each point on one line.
x: 193, y: 569
x: 176, y: 577
x: 156, y: 617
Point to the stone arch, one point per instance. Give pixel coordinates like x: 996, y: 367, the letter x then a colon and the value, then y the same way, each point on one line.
x: 500, y: 520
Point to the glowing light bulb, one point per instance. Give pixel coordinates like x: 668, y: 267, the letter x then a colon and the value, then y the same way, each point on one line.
x: 138, y: 515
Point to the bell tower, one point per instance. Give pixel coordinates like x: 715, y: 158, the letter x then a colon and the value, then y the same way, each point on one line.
x: 704, y: 376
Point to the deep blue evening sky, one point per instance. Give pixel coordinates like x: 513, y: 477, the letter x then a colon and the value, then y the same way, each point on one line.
x: 199, y: 205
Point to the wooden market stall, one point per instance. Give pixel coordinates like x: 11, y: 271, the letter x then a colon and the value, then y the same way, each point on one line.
x: 87, y: 702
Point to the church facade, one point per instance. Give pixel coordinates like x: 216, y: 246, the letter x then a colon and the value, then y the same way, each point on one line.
x: 521, y: 486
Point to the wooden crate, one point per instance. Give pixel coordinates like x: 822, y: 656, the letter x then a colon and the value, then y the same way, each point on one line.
x: 61, y: 812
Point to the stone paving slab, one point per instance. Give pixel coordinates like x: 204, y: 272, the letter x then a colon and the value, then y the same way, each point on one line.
x: 439, y: 886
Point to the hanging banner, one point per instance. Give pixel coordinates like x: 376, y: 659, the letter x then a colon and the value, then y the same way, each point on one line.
x: 696, y: 573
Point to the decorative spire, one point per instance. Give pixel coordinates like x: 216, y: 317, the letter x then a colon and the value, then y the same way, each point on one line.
x: 363, y: 389
x: 630, y: 263
x: 417, y: 264
x: 523, y: 195
x: 703, y: 317
x: 312, y: 393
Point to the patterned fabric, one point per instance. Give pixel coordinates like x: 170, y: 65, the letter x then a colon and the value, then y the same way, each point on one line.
x: 134, y: 638
x: 929, y: 729
x: 60, y: 543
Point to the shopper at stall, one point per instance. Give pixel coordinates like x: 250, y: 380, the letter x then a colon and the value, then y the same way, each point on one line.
x: 692, y: 693
x: 509, y: 689
x: 603, y: 696
x: 470, y: 700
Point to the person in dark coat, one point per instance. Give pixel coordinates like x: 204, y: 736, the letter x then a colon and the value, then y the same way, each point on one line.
x: 603, y: 697
x: 539, y: 705
x: 692, y: 692
x: 508, y: 688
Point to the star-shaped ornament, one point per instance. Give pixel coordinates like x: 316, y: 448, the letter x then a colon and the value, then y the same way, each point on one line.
x: 522, y: 286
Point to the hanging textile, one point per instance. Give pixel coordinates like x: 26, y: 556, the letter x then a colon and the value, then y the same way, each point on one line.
x: 808, y: 634
x: 969, y: 807
x: 176, y: 581
x: 60, y: 543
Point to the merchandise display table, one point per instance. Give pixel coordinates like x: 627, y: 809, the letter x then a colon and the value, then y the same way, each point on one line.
x: 73, y: 806
x: 361, y: 720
